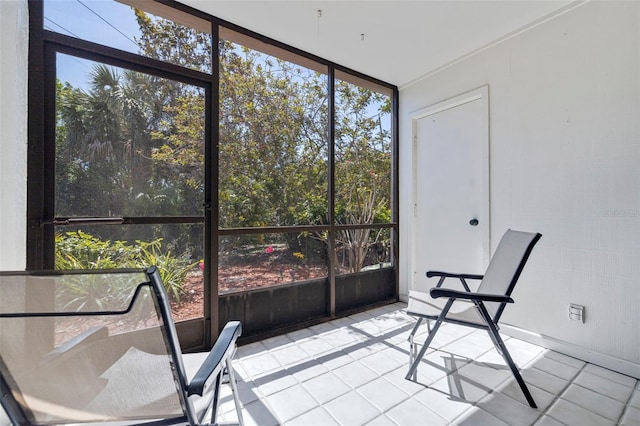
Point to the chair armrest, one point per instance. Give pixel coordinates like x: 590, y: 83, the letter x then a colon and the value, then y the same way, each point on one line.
x: 223, y: 348
x: 484, y: 297
x: 450, y: 275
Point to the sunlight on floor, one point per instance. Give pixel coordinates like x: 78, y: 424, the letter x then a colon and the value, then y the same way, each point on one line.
x: 350, y: 371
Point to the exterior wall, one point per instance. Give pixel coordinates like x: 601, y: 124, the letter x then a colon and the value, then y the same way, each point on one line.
x: 564, y: 101
x: 13, y: 133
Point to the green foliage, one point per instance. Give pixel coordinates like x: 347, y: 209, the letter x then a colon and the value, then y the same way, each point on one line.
x: 273, y: 164
x: 79, y: 250
x: 89, y: 293
x: 134, y: 145
x: 173, y: 269
x: 172, y: 42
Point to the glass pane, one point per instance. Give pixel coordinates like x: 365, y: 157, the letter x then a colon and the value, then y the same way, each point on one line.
x: 114, y: 24
x: 176, y: 249
x: 273, y: 140
x: 362, y: 249
x: 262, y: 260
x: 362, y: 155
x: 127, y: 143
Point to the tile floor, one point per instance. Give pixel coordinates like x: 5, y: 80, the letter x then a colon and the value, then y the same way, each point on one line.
x: 350, y: 372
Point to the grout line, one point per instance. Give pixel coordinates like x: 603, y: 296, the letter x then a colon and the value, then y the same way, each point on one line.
x: 559, y: 396
x: 392, y: 332
x: 627, y: 404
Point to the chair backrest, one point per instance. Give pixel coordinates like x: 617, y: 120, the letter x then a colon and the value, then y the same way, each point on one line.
x: 78, y: 347
x: 506, y: 266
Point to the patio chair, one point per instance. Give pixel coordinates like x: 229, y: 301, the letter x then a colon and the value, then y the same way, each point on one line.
x: 101, y: 346
x: 479, y: 309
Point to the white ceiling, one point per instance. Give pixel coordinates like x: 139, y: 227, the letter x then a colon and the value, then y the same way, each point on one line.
x: 395, y: 41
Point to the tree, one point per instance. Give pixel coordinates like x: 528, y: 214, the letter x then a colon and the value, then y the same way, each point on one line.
x: 363, y: 170
x: 102, y: 141
x: 273, y: 150
x: 134, y: 144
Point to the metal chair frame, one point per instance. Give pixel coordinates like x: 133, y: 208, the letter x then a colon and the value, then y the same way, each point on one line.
x: 216, y: 364
x: 490, y: 324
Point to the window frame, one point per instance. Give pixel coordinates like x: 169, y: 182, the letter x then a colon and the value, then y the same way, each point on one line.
x: 43, y: 46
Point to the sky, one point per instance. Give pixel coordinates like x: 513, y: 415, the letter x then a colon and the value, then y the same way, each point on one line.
x: 100, y: 21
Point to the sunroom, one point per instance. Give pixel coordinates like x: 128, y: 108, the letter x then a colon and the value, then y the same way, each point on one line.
x: 277, y: 158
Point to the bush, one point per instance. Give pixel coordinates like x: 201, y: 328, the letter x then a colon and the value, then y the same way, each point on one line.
x: 79, y: 250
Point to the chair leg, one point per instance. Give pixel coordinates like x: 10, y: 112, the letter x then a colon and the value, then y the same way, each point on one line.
x: 416, y: 361
x: 412, y: 335
x: 496, y: 343
x: 234, y: 391
x: 502, y: 349
x: 216, y: 399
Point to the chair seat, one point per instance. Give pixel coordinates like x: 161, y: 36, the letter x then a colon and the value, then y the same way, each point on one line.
x: 151, y: 394
x: 422, y: 304
x: 486, y: 304
x: 117, y: 362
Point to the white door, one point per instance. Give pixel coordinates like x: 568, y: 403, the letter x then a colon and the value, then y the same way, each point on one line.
x: 452, y: 187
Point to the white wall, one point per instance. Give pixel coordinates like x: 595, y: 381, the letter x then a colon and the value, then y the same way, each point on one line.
x: 13, y: 133
x: 564, y: 161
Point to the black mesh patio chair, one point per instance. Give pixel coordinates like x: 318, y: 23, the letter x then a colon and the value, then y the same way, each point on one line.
x: 479, y: 309
x: 101, y: 346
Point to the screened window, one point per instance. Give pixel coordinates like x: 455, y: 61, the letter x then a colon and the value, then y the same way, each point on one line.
x: 273, y: 165
x: 275, y: 259
x: 129, y: 179
x: 127, y: 143
x: 231, y: 161
x: 363, y: 166
x: 137, y: 27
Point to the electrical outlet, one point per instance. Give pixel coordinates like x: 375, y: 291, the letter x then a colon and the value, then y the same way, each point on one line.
x: 576, y: 312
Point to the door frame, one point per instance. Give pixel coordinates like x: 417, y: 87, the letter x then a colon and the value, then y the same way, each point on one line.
x: 41, y: 212
x: 481, y: 94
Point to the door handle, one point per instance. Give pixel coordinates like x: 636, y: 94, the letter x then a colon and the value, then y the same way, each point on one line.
x: 473, y: 222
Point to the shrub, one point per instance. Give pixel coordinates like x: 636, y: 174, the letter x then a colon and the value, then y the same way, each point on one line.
x: 79, y: 250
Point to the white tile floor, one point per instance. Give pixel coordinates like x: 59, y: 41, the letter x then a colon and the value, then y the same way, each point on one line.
x: 351, y: 372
